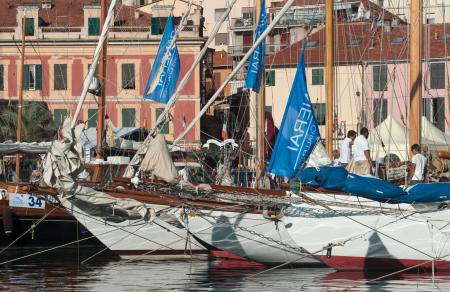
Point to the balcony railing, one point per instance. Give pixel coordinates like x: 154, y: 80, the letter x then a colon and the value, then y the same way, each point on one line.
x: 240, y: 50
x: 242, y: 23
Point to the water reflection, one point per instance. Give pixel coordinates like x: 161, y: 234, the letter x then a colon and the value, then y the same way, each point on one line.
x: 59, y: 272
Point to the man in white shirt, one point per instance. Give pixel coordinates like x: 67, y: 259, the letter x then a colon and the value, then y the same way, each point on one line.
x: 346, y: 149
x: 361, y: 161
x: 417, y: 166
x: 185, y: 174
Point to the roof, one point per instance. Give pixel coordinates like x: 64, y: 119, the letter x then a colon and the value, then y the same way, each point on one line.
x: 222, y: 59
x: 65, y: 13
x: 365, y: 42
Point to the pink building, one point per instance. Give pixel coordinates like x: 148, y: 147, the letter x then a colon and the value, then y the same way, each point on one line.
x: 61, y: 37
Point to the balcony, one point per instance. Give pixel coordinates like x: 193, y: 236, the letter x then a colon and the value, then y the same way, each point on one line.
x: 240, y: 50
x: 242, y: 24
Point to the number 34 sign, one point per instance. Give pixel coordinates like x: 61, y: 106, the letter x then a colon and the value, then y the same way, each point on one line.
x: 26, y: 201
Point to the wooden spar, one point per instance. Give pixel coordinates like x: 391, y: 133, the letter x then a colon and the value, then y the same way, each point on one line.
x: 329, y: 77
x: 260, y: 110
x: 102, y: 84
x: 20, y: 101
x: 415, y: 72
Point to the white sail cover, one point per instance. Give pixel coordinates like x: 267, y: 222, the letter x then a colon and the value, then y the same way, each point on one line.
x: 318, y: 157
x: 61, y: 167
x: 158, y: 161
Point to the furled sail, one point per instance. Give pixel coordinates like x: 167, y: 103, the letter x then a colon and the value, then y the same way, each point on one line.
x: 299, y: 131
x: 61, y: 167
x: 157, y: 160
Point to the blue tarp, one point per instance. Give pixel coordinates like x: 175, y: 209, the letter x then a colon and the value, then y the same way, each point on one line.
x: 337, y: 178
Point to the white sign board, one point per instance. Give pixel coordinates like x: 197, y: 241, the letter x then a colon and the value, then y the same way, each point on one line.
x: 26, y: 201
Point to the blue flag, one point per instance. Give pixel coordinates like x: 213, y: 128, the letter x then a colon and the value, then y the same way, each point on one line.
x: 255, y: 67
x: 162, y: 81
x: 299, y: 131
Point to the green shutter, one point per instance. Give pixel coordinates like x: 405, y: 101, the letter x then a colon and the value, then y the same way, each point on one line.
x: 268, y: 109
x: 29, y: 26
x: 317, y: 76
x: 270, y: 78
x: 1, y: 78
x: 128, y: 80
x: 155, y: 26
x: 128, y: 117
x: 165, y: 128
x: 94, y: 26
x: 319, y: 112
x: 379, y: 78
x: 59, y: 115
x: 38, y: 85
x: 92, y: 118
x: 26, y: 77
x: 60, y: 76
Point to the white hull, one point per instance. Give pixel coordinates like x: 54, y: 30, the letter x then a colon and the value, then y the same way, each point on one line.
x: 248, y: 235
x: 139, y: 239
x: 369, y: 239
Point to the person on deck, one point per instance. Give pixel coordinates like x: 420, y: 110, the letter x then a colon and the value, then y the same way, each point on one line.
x: 362, y: 162
x: 417, y: 166
x: 345, y: 148
x: 185, y: 174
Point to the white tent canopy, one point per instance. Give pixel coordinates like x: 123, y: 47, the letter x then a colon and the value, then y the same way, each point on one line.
x: 395, y: 137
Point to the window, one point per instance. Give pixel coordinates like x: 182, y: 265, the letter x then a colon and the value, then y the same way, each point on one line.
x: 128, y: 76
x: 312, y: 44
x: 431, y: 20
x: 379, y: 111
x: 319, y: 112
x: 165, y: 128
x: 445, y: 37
x: 60, y: 76
x: 29, y: 26
x: 128, y: 117
x: 1, y: 78
x: 354, y: 42
x: 268, y: 109
x: 92, y: 117
x: 32, y: 78
x: 221, y: 39
x: 59, y: 115
x: 93, y: 26
x: 317, y: 76
x: 218, y: 12
x: 158, y: 24
x: 270, y: 78
x: 398, y: 41
x: 434, y: 110
x: 437, y: 75
x: 379, y: 77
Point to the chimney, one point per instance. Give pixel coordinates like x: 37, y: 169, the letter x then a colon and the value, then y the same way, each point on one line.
x: 46, y: 4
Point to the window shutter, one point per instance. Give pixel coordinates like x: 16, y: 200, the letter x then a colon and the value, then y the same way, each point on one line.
x: 59, y: 115
x: 155, y: 26
x: 26, y: 77
x: 29, y: 26
x: 38, y: 77
x: 94, y: 26
x: 92, y: 118
x: 165, y: 128
x: 128, y: 80
x: 128, y: 117
x: 270, y: 78
x: 1, y: 77
x: 60, y: 76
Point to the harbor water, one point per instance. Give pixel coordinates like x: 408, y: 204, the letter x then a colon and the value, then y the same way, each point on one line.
x: 67, y: 272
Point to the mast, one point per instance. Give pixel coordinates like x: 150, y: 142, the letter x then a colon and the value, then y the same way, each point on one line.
x: 260, y: 109
x: 415, y: 72
x: 101, y: 80
x: 329, y: 77
x: 20, y: 101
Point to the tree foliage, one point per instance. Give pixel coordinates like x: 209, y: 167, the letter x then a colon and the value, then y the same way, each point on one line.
x: 37, y: 123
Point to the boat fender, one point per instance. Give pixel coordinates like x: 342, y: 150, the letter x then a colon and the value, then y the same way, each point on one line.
x: 276, y: 217
x: 7, y: 220
x: 329, y: 249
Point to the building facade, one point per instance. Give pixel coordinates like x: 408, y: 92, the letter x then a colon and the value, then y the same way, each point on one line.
x: 60, y: 42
